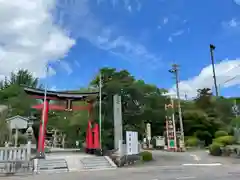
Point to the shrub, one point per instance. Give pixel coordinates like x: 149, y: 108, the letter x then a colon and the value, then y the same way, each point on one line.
x: 215, y: 149
x: 47, y: 150
x: 224, y: 140
x: 192, y: 142
x: 146, y: 156
x: 220, y: 134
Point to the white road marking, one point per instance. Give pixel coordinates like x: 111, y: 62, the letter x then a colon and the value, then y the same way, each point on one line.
x: 187, y: 177
x: 195, y: 157
x: 212, y: 164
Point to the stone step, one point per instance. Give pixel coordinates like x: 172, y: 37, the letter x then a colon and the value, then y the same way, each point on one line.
x: 56, y: 165
x: 98, y: 162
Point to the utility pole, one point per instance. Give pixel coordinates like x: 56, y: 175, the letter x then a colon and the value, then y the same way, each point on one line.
x: 212, y: 48
x: 100, y: 110
x: 175, y: 71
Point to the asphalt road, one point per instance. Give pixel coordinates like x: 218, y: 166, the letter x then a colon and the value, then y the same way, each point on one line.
x: 167, y: 166
x: 147, y: 173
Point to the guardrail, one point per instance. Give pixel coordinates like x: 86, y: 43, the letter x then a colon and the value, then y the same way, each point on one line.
x: 15, y: 153
x: 15, y: 160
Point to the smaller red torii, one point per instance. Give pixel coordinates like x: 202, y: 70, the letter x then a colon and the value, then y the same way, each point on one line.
x: 92, y: 133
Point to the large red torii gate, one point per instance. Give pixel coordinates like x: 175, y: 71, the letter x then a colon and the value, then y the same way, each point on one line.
x: 92, y: 142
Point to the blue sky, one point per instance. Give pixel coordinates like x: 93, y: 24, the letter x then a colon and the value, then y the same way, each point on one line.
x: 145, y: 37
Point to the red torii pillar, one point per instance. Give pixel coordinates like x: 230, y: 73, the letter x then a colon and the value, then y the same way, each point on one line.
x: 42, y: 127
x: 96, y: 137
x: 92, y: 136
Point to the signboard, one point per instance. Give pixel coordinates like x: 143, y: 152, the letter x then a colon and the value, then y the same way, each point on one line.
x: 132, y: 142
x: 235, y: 110
x: 160, y: 141
x: 18, y: 122
x: 117, y: 114
x: 170, y: 126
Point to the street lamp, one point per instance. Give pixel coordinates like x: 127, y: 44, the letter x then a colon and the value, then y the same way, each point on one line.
x: 212, y: 48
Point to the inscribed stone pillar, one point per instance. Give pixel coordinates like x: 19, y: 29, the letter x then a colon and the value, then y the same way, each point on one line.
x: 117, y: 112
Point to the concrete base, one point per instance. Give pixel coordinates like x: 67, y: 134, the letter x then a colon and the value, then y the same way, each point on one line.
x: 40, y: 155
x: 73, y: 160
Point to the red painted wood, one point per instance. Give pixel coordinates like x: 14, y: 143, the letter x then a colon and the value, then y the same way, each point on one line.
x: 61, y: 108
x: 89, y: 136
x: 42, y: 97
x: 96, y: 144
x: 42, y: 133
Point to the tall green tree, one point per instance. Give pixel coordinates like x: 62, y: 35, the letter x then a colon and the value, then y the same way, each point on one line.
x: 204, y: 99
x: 141, y: 103
x: 4, y: 129
x: 13, y: 95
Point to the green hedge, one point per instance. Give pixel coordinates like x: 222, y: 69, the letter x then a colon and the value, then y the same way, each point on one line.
x: 218, y: 143
x: 146, y: 156
x: 191, y: 142
x: 215, y: 149
x: 47, y: 150
x: 224, y: 140
x: 220, y: 134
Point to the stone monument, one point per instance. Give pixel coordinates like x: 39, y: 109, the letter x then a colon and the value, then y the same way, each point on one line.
x: 117, y: 114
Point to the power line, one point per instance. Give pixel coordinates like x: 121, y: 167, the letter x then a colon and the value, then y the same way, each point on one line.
x: 229, y: 80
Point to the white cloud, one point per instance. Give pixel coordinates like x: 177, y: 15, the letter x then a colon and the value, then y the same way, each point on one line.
x: 77, y: 16
x: 131, y: 5
x: 139, y: 5
x: 66, y: 67
x: 129, y: 8
x: 178, y: 33
x: 77, y: 63
x: 53, y: 88
x: 227, y: 75
x: 100, y: 1
x: 237, y: 2
x: 28, y: 37
x: 114, y: 2
x: 233, y: 23
x: 165, y: 20
x: 128, y: 5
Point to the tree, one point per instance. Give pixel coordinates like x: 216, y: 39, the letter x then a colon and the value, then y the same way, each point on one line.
x: 13, y: 95
x: 4, y: 130
x: 141, y: 102
x: 204, y: 99
x: 224, y: 109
